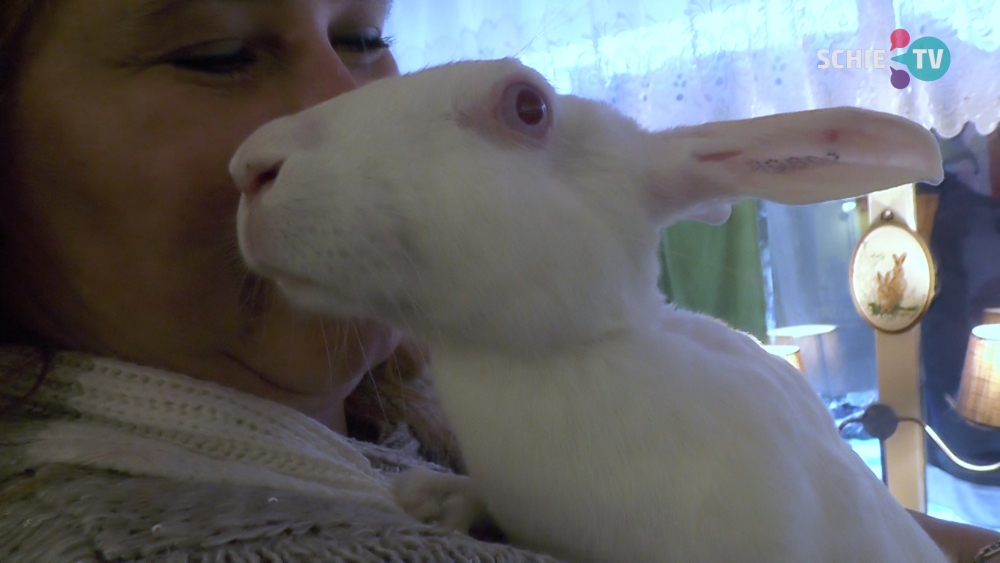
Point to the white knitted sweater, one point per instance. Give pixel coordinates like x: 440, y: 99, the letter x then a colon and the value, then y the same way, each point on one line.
x: 110, y: 461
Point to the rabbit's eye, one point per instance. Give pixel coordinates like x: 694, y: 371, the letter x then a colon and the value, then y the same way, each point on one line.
x: 530, y: 107
x: 526, y: 111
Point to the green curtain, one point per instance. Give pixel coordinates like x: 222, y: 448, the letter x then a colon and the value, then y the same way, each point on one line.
x: 716, y: 269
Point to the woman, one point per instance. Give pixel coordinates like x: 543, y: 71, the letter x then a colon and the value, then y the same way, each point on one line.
x: 119, y: 240
x: 117, y: 225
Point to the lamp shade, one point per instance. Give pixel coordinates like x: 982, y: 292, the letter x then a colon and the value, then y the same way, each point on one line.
x: 799, y: 331
x: 790, y: 353
x: 991, y: 316
x: 819, y: 355
x: 979, y: 392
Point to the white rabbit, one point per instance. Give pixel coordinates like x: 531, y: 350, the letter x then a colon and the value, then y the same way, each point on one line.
x: 515, y: 231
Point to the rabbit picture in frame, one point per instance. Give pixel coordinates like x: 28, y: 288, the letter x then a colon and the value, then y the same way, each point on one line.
x: 893, y: 278
x: 892, y: 286
x: 514, y: 230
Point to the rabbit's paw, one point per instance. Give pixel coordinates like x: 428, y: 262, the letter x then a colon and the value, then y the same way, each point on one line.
x: 450, y: 501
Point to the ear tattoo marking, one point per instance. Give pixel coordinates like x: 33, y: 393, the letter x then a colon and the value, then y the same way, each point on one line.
x: 717, y: 156
x: 791, y: 163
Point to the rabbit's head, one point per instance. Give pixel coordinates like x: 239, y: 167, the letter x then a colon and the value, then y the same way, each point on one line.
x: 471, y: 203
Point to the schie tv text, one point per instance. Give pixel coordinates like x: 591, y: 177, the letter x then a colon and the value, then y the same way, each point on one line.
x: 870, y: 58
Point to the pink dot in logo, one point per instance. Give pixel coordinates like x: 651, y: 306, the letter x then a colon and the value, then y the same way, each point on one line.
x: 900, y: 38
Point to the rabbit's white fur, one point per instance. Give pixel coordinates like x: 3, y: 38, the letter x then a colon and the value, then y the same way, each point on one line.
x: 598, y: 423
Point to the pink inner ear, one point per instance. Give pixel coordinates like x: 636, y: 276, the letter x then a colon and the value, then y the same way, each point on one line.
x: 713, y: 215
x: 717, y: 156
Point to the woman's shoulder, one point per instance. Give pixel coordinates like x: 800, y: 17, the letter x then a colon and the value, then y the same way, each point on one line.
x: 59, y: 512
x: 108, y: 461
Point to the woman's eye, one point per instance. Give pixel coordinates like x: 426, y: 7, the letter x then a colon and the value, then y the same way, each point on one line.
x: 361, y: 43
x: 359, y: 50
x: 225, y: 62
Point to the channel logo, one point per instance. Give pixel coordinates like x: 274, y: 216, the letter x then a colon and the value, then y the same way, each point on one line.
x: 927, y: 59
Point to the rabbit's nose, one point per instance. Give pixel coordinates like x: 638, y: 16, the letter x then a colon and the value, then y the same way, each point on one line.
x: 257, y: 177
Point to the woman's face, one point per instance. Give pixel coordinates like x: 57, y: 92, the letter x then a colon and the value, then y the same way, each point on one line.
x: 124, y: 121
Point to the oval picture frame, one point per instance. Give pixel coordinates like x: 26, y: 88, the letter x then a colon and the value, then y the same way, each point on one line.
x: 892, y: 277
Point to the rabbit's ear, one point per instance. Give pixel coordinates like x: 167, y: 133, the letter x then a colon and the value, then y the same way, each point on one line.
x: 713, y: 214
x: 793, y: 158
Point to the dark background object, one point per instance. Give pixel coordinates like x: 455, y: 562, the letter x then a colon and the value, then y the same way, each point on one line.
x: 965, y: 242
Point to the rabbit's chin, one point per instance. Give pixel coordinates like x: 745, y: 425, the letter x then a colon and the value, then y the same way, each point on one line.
x: 319, y: 299
x: 312, y: 297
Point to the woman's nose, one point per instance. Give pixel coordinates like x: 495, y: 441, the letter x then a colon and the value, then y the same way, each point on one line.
x: 320, y: 75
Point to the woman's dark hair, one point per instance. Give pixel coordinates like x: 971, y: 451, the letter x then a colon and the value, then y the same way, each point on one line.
x: 400, y: 390
x: 16, y: 19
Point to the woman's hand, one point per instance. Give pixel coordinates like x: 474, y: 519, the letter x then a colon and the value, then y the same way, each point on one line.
x: 960, y: 542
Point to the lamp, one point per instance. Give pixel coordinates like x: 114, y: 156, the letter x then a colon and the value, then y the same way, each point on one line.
x: 817, y: 355
x: 979, y: 392
x: 991, y: 316
x: 978, y: 397
x: 791, y: 354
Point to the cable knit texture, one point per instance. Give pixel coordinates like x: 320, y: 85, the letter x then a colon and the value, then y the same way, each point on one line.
x: 110, y: 461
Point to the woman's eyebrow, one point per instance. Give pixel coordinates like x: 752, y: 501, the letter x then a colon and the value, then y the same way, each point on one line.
x: 150, y: 22
x: 152, y: 11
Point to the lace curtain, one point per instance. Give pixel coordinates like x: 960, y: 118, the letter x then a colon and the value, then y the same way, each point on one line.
x: 669, y: 63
